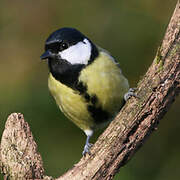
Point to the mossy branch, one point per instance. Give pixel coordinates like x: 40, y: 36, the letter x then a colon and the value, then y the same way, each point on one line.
x: 127, y: 132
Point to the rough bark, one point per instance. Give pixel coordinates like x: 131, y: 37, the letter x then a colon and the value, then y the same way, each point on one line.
x: 19, y: 156
x: 127, y: 132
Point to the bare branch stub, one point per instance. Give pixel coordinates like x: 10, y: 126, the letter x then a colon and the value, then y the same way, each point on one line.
x: 19, y: 156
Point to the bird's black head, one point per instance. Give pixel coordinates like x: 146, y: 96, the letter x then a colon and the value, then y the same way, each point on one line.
x: 71, y: 45
x: 68, y: 51
x: 68, y: 36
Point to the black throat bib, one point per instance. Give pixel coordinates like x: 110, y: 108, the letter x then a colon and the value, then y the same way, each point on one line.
x: 65, y: 72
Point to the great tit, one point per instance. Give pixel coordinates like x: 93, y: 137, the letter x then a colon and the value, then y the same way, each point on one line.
x: 85, y: 80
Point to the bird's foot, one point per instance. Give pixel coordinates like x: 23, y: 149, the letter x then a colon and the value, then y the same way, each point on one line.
x: 87, y: 148
x: 130, y: 93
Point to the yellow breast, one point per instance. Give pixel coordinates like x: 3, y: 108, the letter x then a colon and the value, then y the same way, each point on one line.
x: 104, y: 79
x: 70, y: 103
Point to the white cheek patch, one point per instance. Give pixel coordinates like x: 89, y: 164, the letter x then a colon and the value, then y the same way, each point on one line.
x: 77, y: 54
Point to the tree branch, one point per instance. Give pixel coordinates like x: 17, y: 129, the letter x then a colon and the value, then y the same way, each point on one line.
x: 123, y: 137
x: 19, y: 156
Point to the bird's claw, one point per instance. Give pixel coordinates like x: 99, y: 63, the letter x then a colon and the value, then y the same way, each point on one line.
x: 130, y: 93
x: 87, y: 148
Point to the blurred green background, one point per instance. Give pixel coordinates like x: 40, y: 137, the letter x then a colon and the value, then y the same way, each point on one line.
x: 131, y: 30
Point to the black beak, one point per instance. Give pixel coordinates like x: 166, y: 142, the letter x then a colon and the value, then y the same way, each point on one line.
x: 46, y: 55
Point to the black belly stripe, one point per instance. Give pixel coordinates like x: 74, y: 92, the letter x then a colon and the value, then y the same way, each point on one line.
x: 97, y: 113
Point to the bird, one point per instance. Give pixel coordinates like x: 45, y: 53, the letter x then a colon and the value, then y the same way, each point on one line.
x: 85, y: 80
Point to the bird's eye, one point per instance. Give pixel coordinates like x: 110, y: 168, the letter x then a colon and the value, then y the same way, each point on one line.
x: 56, y: 47
x: 63, y: 46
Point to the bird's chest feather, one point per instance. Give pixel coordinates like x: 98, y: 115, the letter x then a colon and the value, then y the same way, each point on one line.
x: 103, y: 89
x: 105, y: 80
x: 71, y: 103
